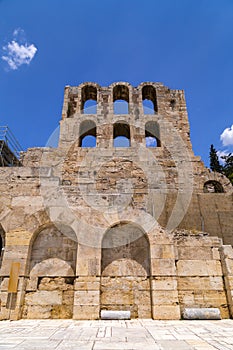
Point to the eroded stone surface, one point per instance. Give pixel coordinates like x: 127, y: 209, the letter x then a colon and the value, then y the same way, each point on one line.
x: 112, y: 228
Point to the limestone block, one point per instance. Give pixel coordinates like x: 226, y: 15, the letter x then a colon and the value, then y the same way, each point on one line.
x: 6, y: 265
x: 18, y: 237
x: 117, y: 297
x: 94, y: 267
x: 199, y: 268
x: 86, y: 312
x: 82, y: 297
x: 44, y: 298
x: 142, y: 297
x: 186, y: 298
x: 215, y: 298
x: 190, y: 253
x: 4, y: 284
x: 228, y: 251
x: 4, y: 314
x: 24, y: 201
x: 37, y: 311
x: 201, y: 314
x: 216, y: 253
x: 163, y: 267
x: 144, y: 311
x: 164, y: 297
x: 83, y: 268
x: 225, y: 311
x: 200, y: 283
x: 228, y: 267
x: 164, y: 283
x: 229, y: 282
x: 162, y: 251
x: 14, y: 252
x: 31, y: 285
x: 87, y: 283
x: 166, y: 312
x: 62, y: 311
x: 3, y: 299
x: 68, y: 297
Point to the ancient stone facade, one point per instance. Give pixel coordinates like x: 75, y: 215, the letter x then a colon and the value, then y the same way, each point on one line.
x: 144, y: 228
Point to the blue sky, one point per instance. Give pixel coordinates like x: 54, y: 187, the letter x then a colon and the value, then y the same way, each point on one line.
x: 48, y: 44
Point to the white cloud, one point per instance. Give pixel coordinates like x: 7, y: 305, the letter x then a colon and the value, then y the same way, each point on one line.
x: 227, y: 136
x: 222, y: 154
x: 18, y: 51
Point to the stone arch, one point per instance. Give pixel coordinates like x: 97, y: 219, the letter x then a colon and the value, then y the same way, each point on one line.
x: 54, y: 242
x: 152, y: 134
x: 215, y: 177
x: 149, y: 94
x: 87, y: 133
x: 213, y: 186
x: 121, y: 99
x: 89, y: 93
x: 125, y: 270
x: 52, y: 266
x: 121, y: 134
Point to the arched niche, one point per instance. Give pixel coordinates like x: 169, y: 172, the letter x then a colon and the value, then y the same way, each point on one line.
x: 121, y: 99
x: 152, y: 134
x: 213, y: 186
x: 121, y: 135
x: 125, y: 270
x: 87, y: 134
x: 50, y: 288
x: 89, y: 99
x: 54, y: 242
x: 149, y: 99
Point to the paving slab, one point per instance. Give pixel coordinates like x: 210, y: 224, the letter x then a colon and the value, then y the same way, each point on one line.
x: 113, y: 335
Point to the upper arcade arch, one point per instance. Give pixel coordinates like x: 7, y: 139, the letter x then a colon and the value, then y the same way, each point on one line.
x: 121, y: 99
x: 89, y: 102
x: 149, y: 95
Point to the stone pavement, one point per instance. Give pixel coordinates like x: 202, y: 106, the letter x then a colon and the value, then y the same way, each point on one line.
x: 103, y: 335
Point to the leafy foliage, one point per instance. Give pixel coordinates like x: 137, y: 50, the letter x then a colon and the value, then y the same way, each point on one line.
x: 214, y: 161
x: 226, y: 168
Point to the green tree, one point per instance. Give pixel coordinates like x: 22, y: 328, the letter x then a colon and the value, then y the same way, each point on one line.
x: 227, y: 168
x: 214, y: 161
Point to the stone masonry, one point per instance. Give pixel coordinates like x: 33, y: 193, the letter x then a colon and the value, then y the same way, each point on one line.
x: 145, y: 228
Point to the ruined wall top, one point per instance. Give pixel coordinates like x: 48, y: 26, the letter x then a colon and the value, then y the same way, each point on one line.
x: 162, y: 97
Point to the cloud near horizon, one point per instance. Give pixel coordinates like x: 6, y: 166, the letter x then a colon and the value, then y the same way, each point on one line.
x: 18, y: 52
x: 227, y: 136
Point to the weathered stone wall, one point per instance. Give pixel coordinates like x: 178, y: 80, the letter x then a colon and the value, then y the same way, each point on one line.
x: 92, y: 228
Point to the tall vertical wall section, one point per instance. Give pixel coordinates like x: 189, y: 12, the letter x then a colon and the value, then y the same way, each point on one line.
x: 145, y: 229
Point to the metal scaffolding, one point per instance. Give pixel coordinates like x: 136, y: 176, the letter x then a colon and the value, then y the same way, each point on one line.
x: 9, y: 148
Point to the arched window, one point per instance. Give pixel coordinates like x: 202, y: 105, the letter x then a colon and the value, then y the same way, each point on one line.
x: 87, y: 134
x: 149, y: 100
x: 213, y: 186
x: 89, y: 100
x: 152, y: 134
x: 121, y: 135
x: 121, y: 99
x: 172, y: 104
